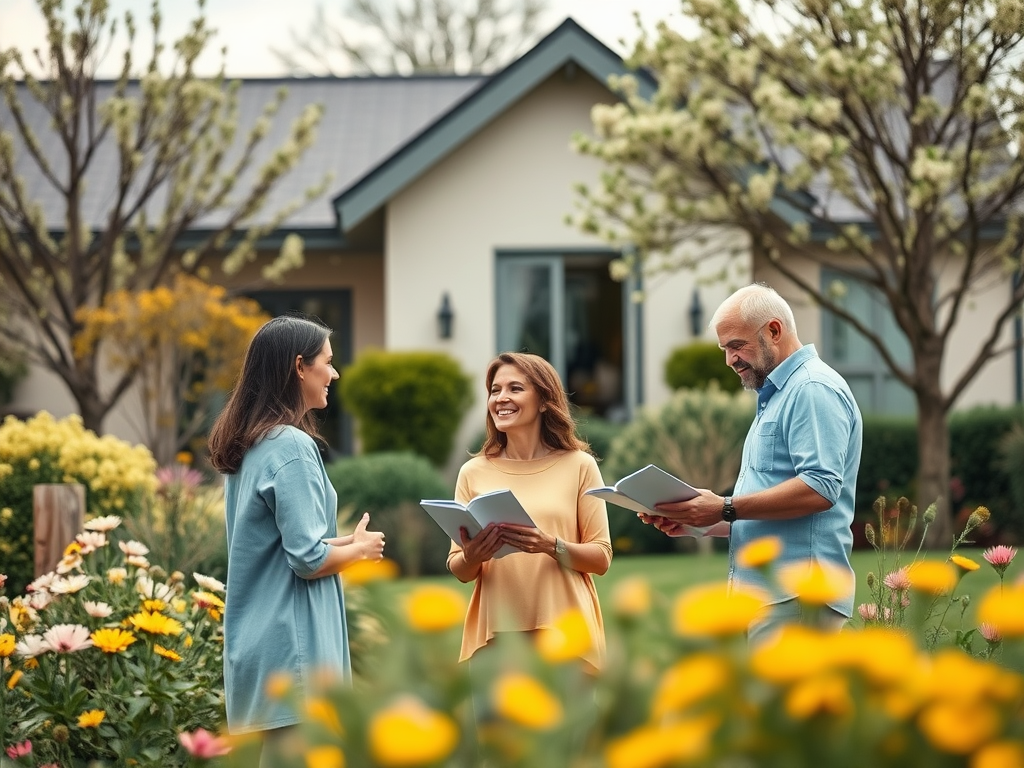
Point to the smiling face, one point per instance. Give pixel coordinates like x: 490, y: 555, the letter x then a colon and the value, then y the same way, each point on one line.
x: 514, y: 403
x: 315, y: 376
x: 749, y: 351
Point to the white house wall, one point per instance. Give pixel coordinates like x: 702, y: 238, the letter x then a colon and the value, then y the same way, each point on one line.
x: 509, y: 187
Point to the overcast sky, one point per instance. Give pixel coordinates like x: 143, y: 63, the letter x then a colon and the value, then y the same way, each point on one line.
x: 249, y: 28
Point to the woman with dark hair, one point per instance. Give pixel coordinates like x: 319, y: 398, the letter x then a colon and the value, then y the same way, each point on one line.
x: 285, y: 610
x: 532, y: 449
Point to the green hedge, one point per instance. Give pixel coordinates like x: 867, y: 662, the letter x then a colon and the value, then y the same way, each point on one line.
x: 696, y: 364
x: 389, y: 486
x: 407, y: 401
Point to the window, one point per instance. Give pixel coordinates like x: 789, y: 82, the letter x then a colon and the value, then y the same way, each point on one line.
x: 567, y: 308
x: 874, y: 386
x: 334, y: 308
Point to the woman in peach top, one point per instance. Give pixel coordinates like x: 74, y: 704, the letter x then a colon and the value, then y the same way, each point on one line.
x: 532, y: 449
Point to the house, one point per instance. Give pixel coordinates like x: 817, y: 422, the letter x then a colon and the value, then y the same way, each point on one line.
x: 444, y: 229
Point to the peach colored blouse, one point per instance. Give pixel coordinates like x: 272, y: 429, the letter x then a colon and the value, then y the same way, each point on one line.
x: 524, y: 591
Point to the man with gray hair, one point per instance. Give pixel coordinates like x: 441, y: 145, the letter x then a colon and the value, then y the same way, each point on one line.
x: 798, y: 474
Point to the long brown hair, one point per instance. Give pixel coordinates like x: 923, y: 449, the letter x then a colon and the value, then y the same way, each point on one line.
x: 557, y: 428
x: 267, y: 394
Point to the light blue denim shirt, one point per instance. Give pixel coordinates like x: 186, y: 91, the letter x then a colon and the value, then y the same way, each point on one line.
x: 808, y: 426
x: 280, y: 507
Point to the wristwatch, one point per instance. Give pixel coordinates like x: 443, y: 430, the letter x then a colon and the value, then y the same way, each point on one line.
x: 561, y: 552
x: 728, y: 510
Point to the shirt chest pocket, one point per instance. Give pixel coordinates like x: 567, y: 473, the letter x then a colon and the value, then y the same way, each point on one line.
x: 764, y: 450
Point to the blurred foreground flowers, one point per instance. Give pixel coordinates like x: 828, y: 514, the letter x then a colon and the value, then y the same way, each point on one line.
x: 681, y: 687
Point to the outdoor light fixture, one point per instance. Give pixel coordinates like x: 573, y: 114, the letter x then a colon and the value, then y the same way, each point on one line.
x: 696, y: 315
x: 445, y: 318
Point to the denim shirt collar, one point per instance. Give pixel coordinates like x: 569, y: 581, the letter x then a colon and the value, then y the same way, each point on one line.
x: 777, y: 378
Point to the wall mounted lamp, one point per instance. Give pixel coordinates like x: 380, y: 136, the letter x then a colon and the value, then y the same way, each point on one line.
x: 696, y: 315
x: 445, y: 318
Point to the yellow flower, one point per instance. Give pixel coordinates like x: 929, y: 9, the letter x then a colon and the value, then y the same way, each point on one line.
x: 183, y: 457
x: 6, y: 645
x: 715, y: 610
x: 13, y: 679
x: 278, y: 684
x: 931, y: 577
x: 759, y: 552
x: 156, y: 606
x: 167, y: 653
x: 408, y: 733
x: 568, y: 639
x: 207, y: 600
x: 155, y: 623
x: 91, y: 719
x: 365, y: 571
x: 323, y: 712
x: 794, y: 653
x: 179, y: 605
x: 524, y: 701
x: 1003, y: 608
x: 816, y: 583
x: 325, y: 757
x: 434, y: 608
x: 73, y: 548
x: 884, y: 656
x: 632, y: 596
x: 823, y: 695
x: 1000, y: 754
x: 959, y: 728
x: 688, y: 681
x: 964, y: 563
x: 112, y: 640
x: 653, y: 746
x: 116, y: 575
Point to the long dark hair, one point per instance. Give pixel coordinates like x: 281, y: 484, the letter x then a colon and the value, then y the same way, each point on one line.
x: 557, y: 428
x: 267, y: 393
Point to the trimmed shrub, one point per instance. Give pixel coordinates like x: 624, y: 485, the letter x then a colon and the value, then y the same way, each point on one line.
x: 696, y: 365
x: 407, y: 401
x: 697, y: 436
x: 389, y: 486
x: 599, y: 433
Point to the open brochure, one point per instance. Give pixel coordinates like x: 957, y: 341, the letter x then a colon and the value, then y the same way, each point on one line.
x: 493, y: 507
x: 650, y: 486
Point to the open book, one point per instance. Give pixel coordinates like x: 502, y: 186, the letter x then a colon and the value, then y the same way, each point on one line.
x: 647, y: 487
x: 493, y: 507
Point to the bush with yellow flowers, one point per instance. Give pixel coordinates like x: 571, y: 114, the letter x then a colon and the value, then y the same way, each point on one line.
x: 681, y: 687
x: 108, y: 660
x: 117, y: 477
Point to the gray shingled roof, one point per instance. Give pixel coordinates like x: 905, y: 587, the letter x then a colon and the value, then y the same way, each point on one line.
x: 365, y: 121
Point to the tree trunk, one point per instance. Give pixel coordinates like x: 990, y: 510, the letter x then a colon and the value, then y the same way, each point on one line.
x: 58, y: 511
x: 933, y: 468
x: 91, y: 409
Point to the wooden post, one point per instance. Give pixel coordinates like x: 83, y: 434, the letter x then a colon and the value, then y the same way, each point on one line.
x: 58, y: 512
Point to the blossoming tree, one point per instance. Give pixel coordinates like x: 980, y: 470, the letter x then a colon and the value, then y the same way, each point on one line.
x: 149, y: 158
x: 879, y: 138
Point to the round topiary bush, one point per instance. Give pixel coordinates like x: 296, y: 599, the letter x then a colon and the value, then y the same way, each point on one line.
x: 407, y: 401
x: 695, y: 365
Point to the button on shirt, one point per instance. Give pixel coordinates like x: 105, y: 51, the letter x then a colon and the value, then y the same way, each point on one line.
x: 808, y: 426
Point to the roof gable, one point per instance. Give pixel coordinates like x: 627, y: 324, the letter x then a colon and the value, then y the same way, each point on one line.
x: 569, y: 43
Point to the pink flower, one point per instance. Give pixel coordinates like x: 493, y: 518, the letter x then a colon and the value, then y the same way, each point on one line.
x: 898, y: 581
x: 185, y: 478
x: 42, y: 583
x: 3, y: 579
x: 990, y: 633
x: 1000, y: 557
x: 203, y: 744
x: 19, y: 750
x: 67, y: 638
x: 868, y: 611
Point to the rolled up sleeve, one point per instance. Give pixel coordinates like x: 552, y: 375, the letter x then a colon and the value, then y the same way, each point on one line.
x: 295, y: 494
x: 819, y: 438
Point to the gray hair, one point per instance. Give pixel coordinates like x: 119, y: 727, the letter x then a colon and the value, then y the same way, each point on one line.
x: 756, y: 304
